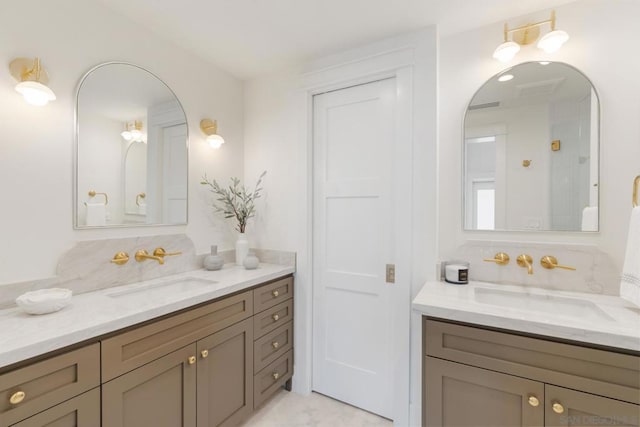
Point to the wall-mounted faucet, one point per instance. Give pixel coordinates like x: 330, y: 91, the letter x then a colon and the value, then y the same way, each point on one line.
x: 526, y: 261
x: 142, y: 254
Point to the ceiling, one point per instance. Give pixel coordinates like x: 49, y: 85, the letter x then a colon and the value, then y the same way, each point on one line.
x: 253, y: 37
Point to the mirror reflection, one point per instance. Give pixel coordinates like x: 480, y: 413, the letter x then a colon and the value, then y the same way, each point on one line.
x: 131, y: 150
x: 531, y: 141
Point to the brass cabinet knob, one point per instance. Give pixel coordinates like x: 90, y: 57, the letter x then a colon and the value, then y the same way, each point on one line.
x: 550, y: 262
x: 500, y: 258
x: 275, y: 317
x: 533, y: 401
x: 120, y: 258
x: 275, y: 293
x: 204, y: 353
x: 275, y: 344
x: 557, y: 407
x: 275, y: 375
x: 17, y: 397
x: 191, y: 360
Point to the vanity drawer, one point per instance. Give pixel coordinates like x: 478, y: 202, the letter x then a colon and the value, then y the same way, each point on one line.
x: 271, y: 378
x: 271, y: 346
x: 129, y: 350
x: 272, y: 318
x: 272, y: 294
x: 591, y: 370
x: 47, y: 383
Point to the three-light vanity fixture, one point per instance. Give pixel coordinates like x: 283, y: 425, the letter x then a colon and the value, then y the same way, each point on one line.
x: 32, y: 81
x: 210, y: 129
x: 527, y: 34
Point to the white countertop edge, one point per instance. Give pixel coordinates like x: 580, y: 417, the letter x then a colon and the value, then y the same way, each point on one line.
x: 443, y: 307
x: 61, y: 337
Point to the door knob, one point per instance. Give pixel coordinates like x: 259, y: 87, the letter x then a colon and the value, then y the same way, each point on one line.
x: 275, y: 317
x: 533, y: 401
x: 557, y: 407
x: 275, y: 293
x: 17, y: 397
x: 275, y: 344
x: 191, y: 360
x: 204, y: 353
x: 275, y: 375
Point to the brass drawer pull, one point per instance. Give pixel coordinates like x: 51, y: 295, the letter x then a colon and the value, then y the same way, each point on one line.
x: 275, y: 293
x: 275, y: 375
x: 17, y: 397
x: 204, y: 353
x: 275, y: 317
x: 191, y: 360
x: 533, y: 401
x: 557, y: 407
x: 275, y: 344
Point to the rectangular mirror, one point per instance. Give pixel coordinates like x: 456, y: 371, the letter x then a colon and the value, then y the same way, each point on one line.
x: 131, y: 150
x: 531, y: 151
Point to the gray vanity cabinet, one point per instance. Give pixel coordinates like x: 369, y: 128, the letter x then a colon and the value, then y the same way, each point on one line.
x: 160, y: 394
x: 461, y: 395
x: 474, y: 376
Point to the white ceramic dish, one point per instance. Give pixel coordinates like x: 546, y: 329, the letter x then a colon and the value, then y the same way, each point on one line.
x: 44, y: 301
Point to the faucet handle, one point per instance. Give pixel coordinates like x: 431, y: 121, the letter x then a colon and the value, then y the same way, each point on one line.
x: 550, y: 262
x: 142, y: 254
x: 500, y: 258
x: 526, y: 261
x: 162, y: 253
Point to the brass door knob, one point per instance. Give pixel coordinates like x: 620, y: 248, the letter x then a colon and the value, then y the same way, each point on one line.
x: 275, y: 293
x: 550, y: 262
x: 533, y: 401
x: 275, y: 317
x: 275, y: 375
x: 275, y: 344
x: 191, y: 360
x: 557, y: 407
x: 500, y: 258
x: 17, y: 397
x: 204, y: 353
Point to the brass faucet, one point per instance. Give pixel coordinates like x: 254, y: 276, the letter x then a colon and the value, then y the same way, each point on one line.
x: 142, y: 254
x: 526, y: 261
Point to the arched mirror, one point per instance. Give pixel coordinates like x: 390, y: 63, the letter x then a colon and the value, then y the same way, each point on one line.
x: 531, y: 151
x: 131, y: 150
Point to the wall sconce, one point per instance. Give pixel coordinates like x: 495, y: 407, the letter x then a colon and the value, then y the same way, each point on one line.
x: 527, y: 34
x: 32, y: 80
x: 210, y: 128
x: 133, y: 131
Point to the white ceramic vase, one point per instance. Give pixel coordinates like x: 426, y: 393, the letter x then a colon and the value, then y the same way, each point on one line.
x: 242, y: 248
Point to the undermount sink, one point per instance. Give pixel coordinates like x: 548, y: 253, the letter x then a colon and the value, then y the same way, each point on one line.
x: 170, y: 286
x: 556, y: 305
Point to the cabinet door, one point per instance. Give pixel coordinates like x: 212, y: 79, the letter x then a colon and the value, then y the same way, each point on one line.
x: 83, y: 410
x: 159, y: 394
x: 564, y: 407
x: 461, y: 395
x: 225, y: 376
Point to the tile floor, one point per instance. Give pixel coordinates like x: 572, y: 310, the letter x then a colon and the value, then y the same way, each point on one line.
x: 287, y: 409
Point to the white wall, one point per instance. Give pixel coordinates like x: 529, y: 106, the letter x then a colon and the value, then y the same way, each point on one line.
x: 277, y: 139
x: 36, y: 144
x: 602, y: 45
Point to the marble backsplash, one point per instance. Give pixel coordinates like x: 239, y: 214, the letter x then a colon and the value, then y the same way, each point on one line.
x: 595, y: 271
x: 87, y: 266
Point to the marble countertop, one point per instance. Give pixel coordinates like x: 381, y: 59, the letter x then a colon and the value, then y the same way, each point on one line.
x: 587, y: 318
x: 93, y: 314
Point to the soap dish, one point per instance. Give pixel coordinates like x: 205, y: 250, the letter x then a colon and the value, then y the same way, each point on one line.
x: 44, y: 301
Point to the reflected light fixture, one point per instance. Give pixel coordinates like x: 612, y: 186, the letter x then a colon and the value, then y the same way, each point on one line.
x: 210, y: 129
x: 527, y: 34
x: 133, y: 131
x: 32, y: 81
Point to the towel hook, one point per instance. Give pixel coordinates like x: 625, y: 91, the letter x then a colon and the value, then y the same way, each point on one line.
x: 140, y: 196
x: 636, y: 184
x: 92, y: 193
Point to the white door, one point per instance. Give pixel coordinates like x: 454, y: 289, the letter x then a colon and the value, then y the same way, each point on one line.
x: 353, y: 309
x: 174, y: 203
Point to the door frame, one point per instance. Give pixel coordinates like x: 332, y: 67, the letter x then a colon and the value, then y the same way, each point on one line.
x: 398, y: 64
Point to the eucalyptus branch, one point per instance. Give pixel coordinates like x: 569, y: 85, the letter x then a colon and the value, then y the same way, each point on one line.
x: 235, y: 201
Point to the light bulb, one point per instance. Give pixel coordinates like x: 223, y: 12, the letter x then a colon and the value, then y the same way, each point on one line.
x: 215, y: 141
x: 126, y: 135
x: 35, y: 93
x: 136, y: 135
x: 506, y: 51
x: 553, y: 41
